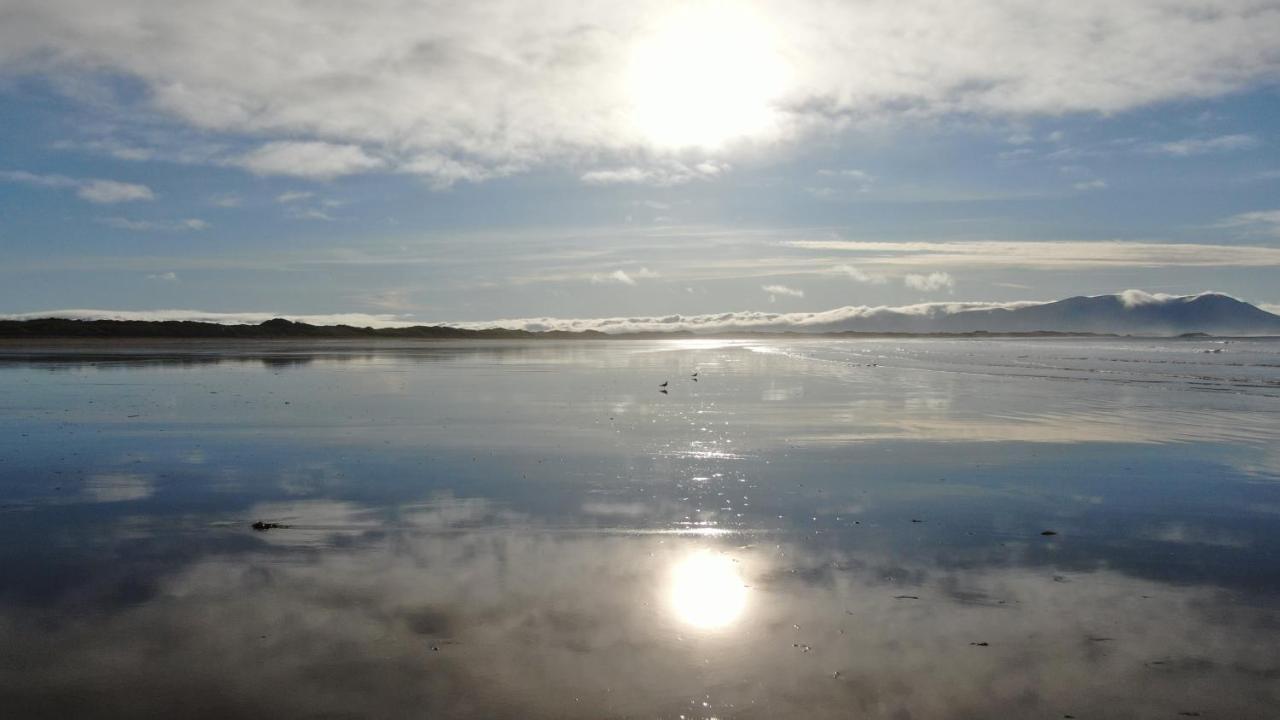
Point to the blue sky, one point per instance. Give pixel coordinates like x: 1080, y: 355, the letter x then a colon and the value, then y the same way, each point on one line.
x: 437, y: 161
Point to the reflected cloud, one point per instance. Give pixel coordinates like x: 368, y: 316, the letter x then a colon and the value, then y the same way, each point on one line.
x: 1132, y: 427
x: 616, y: 509
x: 1184, y: 534
x: 117, y: 487
x: 488, y: 622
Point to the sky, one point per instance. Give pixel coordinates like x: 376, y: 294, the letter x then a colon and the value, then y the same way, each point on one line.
x: 426, y: 161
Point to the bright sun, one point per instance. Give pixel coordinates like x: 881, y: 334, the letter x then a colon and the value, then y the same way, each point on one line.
x: 706, y: 591
x: 708, y: 74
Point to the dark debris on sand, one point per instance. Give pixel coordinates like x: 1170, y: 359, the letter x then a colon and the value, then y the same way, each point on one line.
x: 262, y: 526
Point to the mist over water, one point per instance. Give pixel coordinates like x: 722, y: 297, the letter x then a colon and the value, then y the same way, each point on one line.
x: 810, y: 528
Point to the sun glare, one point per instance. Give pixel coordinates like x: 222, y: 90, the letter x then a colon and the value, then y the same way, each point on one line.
x: 707, y: 75
x: 707, y: 592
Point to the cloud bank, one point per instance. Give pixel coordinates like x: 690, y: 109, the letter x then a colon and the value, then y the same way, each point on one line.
x: 473, y: 90
x: 1064, y: 254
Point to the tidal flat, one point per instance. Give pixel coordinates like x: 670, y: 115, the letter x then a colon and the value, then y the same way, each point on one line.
x: 874, y: 528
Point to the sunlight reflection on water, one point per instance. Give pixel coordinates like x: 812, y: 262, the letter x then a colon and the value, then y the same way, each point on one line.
x: 707, y: 591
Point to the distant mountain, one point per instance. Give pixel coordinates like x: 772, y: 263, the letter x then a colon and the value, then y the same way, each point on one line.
x: 1210, y: 313
x: 1128, y: 313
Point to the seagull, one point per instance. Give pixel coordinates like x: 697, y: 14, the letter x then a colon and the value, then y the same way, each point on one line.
x: 664, y: 384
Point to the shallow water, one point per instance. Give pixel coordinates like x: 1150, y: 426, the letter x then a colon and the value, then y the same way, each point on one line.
x: 813, y: 528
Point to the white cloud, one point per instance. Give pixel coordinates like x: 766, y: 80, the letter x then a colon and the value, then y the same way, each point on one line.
x: 618, y: 276
x: 106, y: 192
x: 848, y: 174
x: 293, y: 196
x: 110, y: 147
x: 443, y: 171
x: 184, y: 225
x: 661, y: 175
x: 228, y: 200
x: 1135, y: 298
x: 308, y: 213
x: 1055, y: 255
x: 776, y: 290
x: 860, y: 180
x: 859, y: 275
x: 102, y: 192
x: 1091, y: 185
x: 1016, y: 155
x: 170, y: 277
x: 29, y: 178
x: 495, y: 84
x: 1188, y: 147
x: 303, y: 205
x: 622, y: 277
x: 314, y: 160
x: 617, y: 176
x: 822, y: 192
x: 1259, y: 221
x: 932, y: 282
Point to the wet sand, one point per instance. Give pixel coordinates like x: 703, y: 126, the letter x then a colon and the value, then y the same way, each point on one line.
x: 877, y: 528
